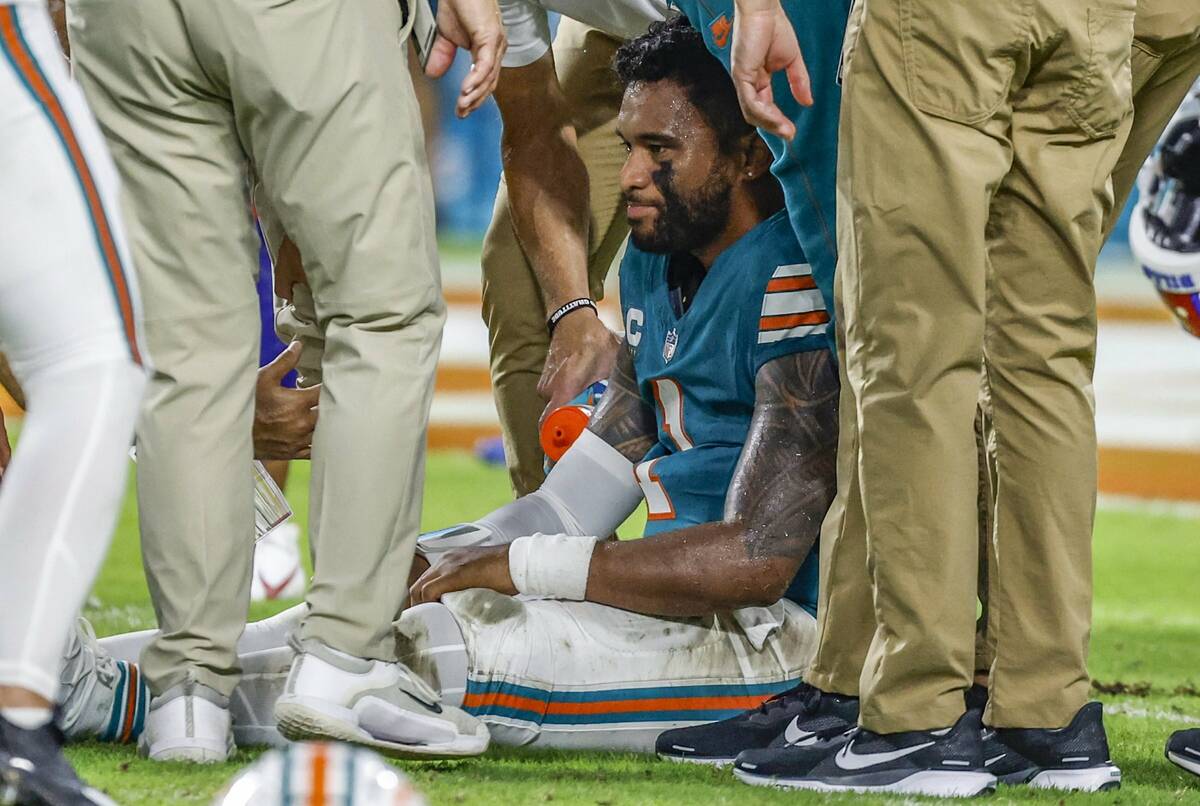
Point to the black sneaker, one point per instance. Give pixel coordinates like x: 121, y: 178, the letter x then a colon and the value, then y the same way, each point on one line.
x: 1074, y: 758
x: 801, y: 715
x: 33, y: 770
x: 1183, y: 748
x: 942, y: 763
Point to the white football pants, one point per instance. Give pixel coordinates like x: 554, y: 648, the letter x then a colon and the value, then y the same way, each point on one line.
x: 69, y: 323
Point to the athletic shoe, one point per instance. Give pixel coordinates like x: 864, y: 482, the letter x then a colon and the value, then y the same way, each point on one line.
x: 332, y: 695
x: 1074, y: 758
x: 102, y: 698
x: 278, y: 573
x: 33, y: 769
x: 799, y: 716
x: 190, y: 722
x: 1183, y: 748
x: 945, y: 763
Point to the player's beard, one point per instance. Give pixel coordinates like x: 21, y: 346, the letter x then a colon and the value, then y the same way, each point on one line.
x: 686, y: 223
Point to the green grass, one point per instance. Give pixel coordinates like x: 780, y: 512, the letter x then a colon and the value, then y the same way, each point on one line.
x: 1146, y: 642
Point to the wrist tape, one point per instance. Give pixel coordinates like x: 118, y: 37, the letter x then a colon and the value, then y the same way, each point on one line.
x: 555, y: 566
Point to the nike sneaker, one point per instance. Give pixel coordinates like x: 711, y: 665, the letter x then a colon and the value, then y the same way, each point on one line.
x: 278, y: 572
x: 940, y: 763
x: 799, y: 716
x: 33, y: 769
x: 1074, y: 758
x: 102, y: 698
x: 331, y: 695
x: 189, y: 722
x: 1183, y: 748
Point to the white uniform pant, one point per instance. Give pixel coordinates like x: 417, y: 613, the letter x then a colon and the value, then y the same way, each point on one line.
x: 69, y: 323
x: 583, y: 675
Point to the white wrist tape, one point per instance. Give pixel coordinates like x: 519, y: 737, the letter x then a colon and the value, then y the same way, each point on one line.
x: 551, y: 565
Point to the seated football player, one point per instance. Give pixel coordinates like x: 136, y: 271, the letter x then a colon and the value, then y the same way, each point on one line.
x: 720, y: 415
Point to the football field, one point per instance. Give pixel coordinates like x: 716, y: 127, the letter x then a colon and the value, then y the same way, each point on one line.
x: 1145, y: 664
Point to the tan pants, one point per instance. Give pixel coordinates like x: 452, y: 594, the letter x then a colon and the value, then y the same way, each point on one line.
x: 1163, y: 69
x: 512, y: 303
x: 314, y: 99
x: 993, y: 258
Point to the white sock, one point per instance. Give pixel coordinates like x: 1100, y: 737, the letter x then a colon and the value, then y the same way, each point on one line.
x: 27, y: 718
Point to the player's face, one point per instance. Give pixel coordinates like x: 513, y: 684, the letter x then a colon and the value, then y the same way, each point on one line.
x: 676, y: 182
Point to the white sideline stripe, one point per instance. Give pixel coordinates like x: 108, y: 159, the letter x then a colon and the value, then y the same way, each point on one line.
x: 773, y: 336
x: 1148, y: 506
x: 780, y: 303
x: 792, y: 270
x: 1122, y: 709
x: 463, y: 408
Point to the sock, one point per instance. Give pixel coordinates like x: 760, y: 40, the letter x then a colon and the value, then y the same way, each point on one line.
x: 27, y: 718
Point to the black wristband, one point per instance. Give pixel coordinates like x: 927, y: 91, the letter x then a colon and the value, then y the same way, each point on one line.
x: 573, y: 305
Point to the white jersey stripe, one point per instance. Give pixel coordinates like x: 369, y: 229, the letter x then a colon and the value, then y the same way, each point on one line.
x: 786, y: 302
x: 772, y: 336
x: 793, y: 270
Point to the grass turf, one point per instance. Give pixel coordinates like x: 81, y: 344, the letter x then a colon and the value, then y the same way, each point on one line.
x: 1145, y: 652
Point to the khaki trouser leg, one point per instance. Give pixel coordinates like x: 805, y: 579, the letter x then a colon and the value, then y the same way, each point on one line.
x: 512, y: 303
x: 338, y: 146
x: 184, y: 181
x: 917, y: 274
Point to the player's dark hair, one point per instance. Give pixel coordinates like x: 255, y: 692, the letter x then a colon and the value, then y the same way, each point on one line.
x: 673, y: 50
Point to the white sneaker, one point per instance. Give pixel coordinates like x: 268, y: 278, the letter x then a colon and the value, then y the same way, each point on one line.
x: 332, y: 695
x: 190, y: 722
x: 278, y: 572
x: 102, y: 698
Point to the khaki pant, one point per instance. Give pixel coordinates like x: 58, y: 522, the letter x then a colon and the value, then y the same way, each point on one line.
x: 993, y: 259
x: 1163, y: 69
x: 512, y: 303
x: 313, y: 99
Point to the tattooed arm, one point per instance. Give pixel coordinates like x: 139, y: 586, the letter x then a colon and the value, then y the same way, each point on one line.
x: 780, y: 492
x: 623, y: 419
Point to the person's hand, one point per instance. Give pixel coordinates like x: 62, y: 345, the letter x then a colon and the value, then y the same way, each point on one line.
x: 284, y: 419
x: 582, y: 351
x: 289, y: 270
x: 5, y: 449
x: 473, y: 25
x: 461, y: 569
x: 764, y: 43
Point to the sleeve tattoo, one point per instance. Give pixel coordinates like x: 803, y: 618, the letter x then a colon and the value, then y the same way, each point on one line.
x: 786, y: 477
x: 623, y: 419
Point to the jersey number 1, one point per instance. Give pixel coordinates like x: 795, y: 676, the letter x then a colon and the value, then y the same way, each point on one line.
x: 668, y: 394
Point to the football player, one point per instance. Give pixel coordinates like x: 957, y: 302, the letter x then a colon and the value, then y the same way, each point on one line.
x: 720, y: 414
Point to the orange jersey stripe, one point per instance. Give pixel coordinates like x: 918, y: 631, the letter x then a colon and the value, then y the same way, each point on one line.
x: 792, y: 320
x: 316, y: 791
x: 27, y: 67
x: 791, y: 284
x: 733, y: 703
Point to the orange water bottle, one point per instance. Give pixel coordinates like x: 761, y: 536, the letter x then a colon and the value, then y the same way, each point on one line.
x: 563, y: 426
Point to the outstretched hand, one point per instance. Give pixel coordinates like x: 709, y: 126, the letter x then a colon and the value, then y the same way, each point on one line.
x: 284, y: 419
x: 764, y: 43
x: 582, y: 351
x: 462, y: 569
x: 472, y: 25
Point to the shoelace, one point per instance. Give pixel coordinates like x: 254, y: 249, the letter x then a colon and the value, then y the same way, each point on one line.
x: 803, y: 692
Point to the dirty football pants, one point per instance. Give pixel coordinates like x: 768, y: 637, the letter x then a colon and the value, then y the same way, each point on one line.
x: 313, y: 99
x: 512, y: 303
x: 69, y: 322
x: 994, y: 259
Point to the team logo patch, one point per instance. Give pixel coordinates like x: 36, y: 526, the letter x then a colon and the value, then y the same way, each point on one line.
x: 720, y: 30
x: 669, y: 345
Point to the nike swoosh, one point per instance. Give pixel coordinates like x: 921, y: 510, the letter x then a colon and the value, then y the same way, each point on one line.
x: 847, y: 759
x: 992, y: 761
x: 793, y: 735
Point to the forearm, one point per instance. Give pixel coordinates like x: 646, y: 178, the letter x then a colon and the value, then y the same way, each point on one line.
x: 696, y: 571
x: 548, y: 199
x: 9, y: 382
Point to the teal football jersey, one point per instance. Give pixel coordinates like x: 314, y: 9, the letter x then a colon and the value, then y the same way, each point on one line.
x: 759, y: 301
